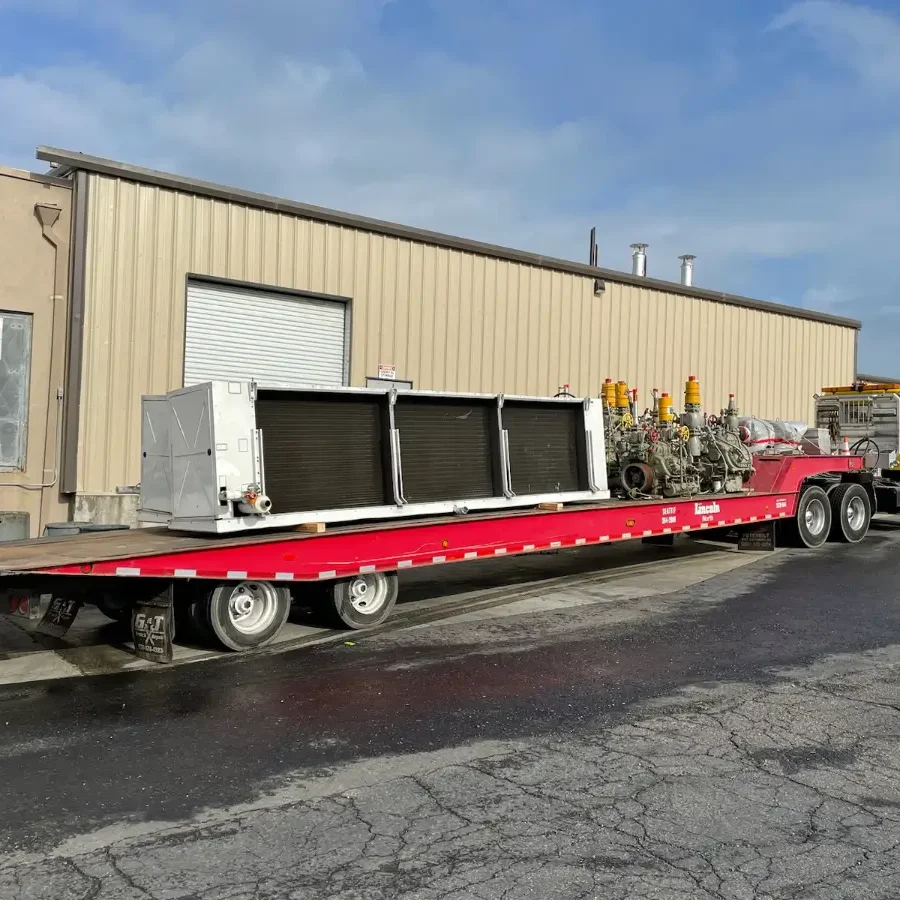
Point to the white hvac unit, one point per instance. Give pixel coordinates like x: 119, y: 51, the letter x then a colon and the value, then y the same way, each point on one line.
x: 233, y: 456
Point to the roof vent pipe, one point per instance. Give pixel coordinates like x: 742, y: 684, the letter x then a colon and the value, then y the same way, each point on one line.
x: 687, y: 268
x: 639, y: 259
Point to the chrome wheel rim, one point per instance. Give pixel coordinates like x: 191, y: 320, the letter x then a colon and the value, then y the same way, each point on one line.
x: 814, y: 517
x: 856, y: 513
x: 368, y: 593
x: 252, y: 606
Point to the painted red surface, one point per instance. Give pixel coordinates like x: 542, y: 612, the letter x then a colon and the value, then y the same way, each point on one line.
x: 389, y: 547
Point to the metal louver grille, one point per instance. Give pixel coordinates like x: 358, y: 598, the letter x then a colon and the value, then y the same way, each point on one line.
x: 545, y: 443
x: 322, y: 452
x: 446, y: 448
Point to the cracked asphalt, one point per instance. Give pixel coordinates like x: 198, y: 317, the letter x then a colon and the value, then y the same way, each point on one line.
x: 735, y: 740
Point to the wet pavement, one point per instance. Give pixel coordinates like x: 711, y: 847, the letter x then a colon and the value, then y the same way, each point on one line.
x: 734, y: 739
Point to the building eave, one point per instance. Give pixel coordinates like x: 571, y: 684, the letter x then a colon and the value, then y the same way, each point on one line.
x: 69, y: 160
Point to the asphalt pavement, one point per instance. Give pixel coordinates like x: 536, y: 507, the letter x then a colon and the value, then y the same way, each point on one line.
x: 736, y: 738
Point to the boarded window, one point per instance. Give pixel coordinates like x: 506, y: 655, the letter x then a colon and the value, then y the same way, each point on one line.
x: 15, y: 364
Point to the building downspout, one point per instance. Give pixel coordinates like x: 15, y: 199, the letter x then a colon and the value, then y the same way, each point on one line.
x: 49, y: 216
x: 74, y: 354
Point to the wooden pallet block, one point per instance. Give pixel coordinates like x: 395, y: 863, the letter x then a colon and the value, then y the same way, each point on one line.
x: 551, y: 507
x: 311, y: 528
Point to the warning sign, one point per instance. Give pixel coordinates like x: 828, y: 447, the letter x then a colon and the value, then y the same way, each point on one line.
x: 388, y: 373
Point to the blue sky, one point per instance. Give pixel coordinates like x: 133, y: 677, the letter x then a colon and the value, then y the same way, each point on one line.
x: 764, y: 136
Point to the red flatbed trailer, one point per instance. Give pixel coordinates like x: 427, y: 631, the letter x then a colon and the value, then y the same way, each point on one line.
x: 351, y: 555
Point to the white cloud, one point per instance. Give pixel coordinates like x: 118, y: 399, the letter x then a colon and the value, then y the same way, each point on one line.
x: 829, y: 298
x: 851, y: 34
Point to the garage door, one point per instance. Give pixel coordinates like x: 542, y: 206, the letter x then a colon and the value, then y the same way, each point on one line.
x: 273, y: 339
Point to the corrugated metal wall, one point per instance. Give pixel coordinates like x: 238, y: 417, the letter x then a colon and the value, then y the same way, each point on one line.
x: 446, y: 319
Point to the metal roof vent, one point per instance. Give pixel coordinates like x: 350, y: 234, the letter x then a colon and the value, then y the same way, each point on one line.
x: 639, y: 259
x: 687, y: 268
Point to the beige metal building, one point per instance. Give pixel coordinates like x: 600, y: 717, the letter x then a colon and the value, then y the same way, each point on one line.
x: 176, y: 281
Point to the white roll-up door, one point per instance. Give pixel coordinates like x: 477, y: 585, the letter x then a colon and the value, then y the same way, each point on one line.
x: 242, y: 334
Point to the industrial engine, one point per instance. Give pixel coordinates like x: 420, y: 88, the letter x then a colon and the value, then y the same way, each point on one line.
x: 661, y: 454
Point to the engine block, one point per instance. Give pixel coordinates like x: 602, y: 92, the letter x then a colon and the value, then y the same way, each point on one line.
x: 659, y: 454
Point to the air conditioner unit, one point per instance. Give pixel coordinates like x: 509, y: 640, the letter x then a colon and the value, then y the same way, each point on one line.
x: 230, y: 456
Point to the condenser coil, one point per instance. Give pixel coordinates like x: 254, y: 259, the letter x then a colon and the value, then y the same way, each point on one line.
x: 323, y: 451
x: 546, y: 447
x: 448, y: 447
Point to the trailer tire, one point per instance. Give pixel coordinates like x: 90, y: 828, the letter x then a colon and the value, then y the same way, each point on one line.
x: 812, y: 524
x: 851, y: 513
x: 248, y: 614
x: 183, y: 615
x: 200, y: 627
x: 363, y: 601
x: 117, y: 609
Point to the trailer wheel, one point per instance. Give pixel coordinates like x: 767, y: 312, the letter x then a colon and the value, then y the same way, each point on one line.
x: 813, y: 521
x: 248, y: 614
x: 113, y: 607
x: 183, y: 614
x: 851, y: 512
x: 363, y: 601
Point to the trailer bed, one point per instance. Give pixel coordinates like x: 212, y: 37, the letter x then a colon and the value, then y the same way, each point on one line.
x: 347, y: 550
x: 71, y: 550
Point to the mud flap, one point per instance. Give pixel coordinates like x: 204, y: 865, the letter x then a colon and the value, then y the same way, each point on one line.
x: 757, y: 537
x: 59, y: 616
x: 153, y: 626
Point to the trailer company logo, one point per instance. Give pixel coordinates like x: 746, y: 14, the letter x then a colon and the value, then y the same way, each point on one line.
x: 781, y: 504
x: 704, y: 509
x: 151, y: 631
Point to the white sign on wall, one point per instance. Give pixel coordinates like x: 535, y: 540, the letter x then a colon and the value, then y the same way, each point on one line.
x: 388, y: 373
